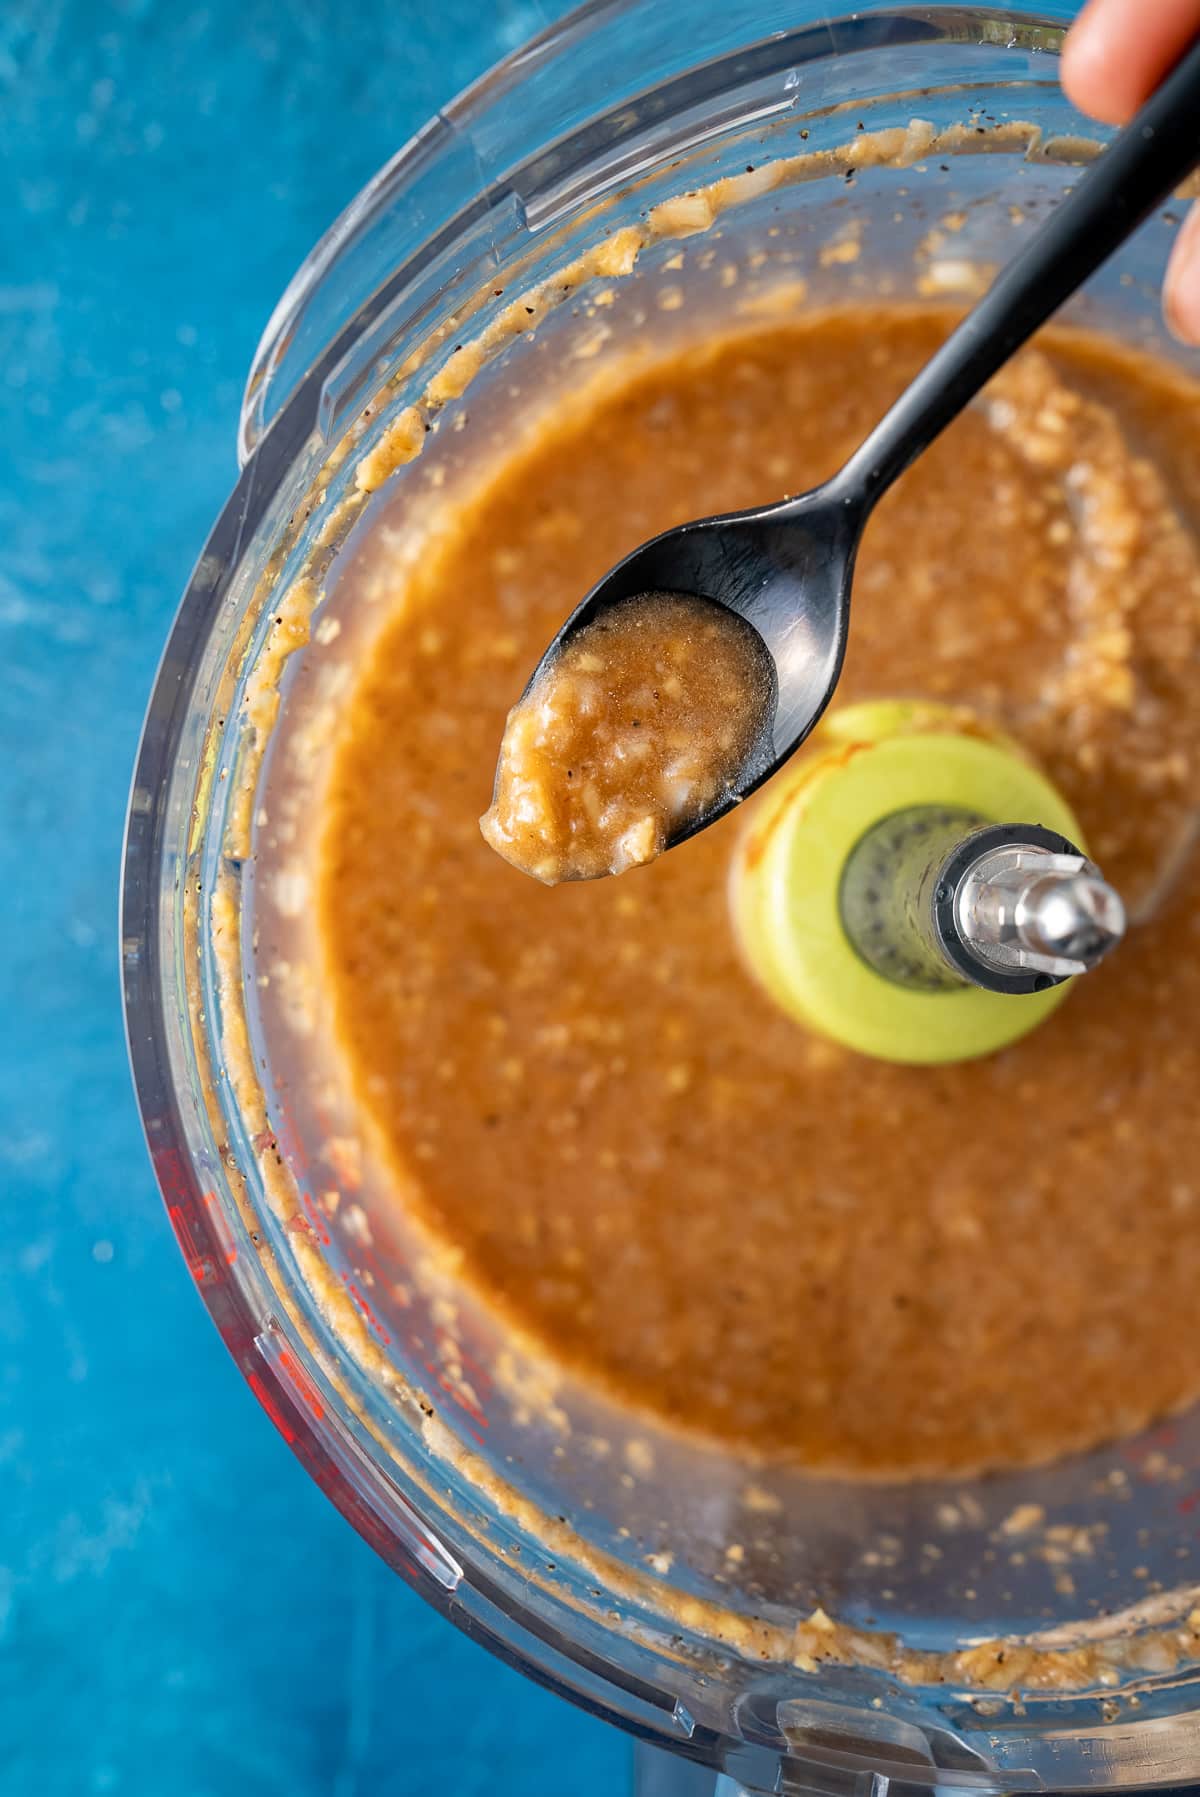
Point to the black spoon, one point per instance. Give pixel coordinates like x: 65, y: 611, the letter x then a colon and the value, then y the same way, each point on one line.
x: 787, y: 568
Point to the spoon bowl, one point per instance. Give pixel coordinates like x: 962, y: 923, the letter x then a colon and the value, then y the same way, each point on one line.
x: 787, y: 570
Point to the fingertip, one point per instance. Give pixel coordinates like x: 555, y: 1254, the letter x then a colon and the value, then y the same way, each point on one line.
x: 1181, y: 289
x: 1093, y: 78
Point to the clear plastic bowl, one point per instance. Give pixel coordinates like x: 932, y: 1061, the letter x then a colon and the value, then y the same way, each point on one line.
x: 597, y: 1567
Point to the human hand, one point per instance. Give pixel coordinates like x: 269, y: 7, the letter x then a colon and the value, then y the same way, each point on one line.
x: 1115, y: 55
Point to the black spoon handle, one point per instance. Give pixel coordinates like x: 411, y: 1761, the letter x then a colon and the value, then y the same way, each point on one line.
x: 1137, y: 172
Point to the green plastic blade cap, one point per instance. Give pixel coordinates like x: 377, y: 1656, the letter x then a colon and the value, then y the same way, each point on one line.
x: 869, y: 761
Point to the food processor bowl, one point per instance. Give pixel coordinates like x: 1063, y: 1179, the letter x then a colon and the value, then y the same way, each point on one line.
x: 637, y: 177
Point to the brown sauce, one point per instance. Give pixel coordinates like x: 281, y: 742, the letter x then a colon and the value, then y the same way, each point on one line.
x: 642, y: 1163
x: 642, y: 721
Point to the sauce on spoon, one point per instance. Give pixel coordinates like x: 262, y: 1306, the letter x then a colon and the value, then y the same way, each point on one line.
x: 642, y: 721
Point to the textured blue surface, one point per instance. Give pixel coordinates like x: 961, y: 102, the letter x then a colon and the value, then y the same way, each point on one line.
x: 180, y: 1611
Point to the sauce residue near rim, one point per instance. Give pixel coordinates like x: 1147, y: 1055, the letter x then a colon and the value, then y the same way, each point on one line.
x: 639, y: 1161
x: 639, y: 724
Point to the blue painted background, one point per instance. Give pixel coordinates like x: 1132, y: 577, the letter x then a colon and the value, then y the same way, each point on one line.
x: 180, y: 1611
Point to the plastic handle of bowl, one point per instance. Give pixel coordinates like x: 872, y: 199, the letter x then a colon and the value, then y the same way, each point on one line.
x: 1138, y: 171
x: 259, y: 398
x: 302, y: 330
